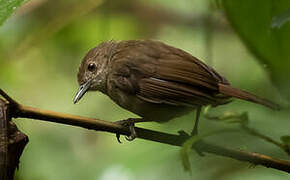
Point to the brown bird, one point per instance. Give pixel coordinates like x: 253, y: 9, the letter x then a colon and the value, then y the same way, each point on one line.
x: 155, y: 81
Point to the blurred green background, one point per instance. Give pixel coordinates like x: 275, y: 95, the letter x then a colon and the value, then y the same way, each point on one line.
x: 43, y: 42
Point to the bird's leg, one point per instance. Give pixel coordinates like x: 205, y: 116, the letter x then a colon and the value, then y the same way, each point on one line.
x: 131, y: 124
x: 195, y: 128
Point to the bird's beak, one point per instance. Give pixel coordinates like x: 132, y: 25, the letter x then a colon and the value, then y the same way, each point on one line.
x: 82, y: 90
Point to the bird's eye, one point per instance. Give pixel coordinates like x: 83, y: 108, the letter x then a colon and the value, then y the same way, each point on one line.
x: 91, y: 67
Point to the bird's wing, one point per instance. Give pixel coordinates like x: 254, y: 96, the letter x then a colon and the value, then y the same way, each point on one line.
x: 164, y: 74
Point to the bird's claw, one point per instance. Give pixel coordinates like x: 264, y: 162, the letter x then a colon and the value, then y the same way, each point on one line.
x: 128, y: 123
x: 118, y: 137
x: 133, y: 134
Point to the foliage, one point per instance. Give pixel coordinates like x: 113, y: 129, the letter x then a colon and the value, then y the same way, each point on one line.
x: 285, y: 139
x: 281, y: 19
x: 264, y: 27
x: 7, y: 7
x: 185, y: 150
x: 187, y: 146
x: 40, y: 51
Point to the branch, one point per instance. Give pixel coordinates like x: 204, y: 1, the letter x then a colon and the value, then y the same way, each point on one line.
x: 255, y: 133
x: 243, y: 120
x: 3, y: 141
x: 21, y: 111
x: 12, y: 143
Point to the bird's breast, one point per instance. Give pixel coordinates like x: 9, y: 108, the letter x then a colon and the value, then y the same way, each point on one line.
x: 158, y: 112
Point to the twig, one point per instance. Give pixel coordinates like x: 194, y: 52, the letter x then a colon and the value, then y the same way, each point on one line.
x: 12, y: 143
x: 243, y: 120
x: 171, y: 139
x: 3, y: 141
x: 8, y: 98
x: 255, y: 133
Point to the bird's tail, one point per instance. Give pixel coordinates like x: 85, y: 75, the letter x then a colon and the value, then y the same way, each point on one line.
x: 238, y: 93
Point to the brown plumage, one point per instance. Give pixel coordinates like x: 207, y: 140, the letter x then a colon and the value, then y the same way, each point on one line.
x: 154, y: 80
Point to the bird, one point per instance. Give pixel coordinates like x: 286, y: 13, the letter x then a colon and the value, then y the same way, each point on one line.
x: 156, y: 81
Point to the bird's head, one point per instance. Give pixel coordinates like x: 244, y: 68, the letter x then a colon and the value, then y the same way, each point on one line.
x: 93, y: 70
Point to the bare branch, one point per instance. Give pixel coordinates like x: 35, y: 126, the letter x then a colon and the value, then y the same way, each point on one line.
x: 254, y: 132
x: 243, y: 120
x: 171, y: 139
x: 12, y: 143
x: 3, y: 141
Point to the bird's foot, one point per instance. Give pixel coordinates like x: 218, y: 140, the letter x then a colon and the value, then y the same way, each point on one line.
x: 128, y: 123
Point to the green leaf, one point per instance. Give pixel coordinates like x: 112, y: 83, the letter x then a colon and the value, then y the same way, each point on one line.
x: 184, y: 152
x: 229, y: 117
x: 285, y: 139
x: 279, y: 20
x: 7, y: 7
x: 252, y: 20
x: 187, y: 147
